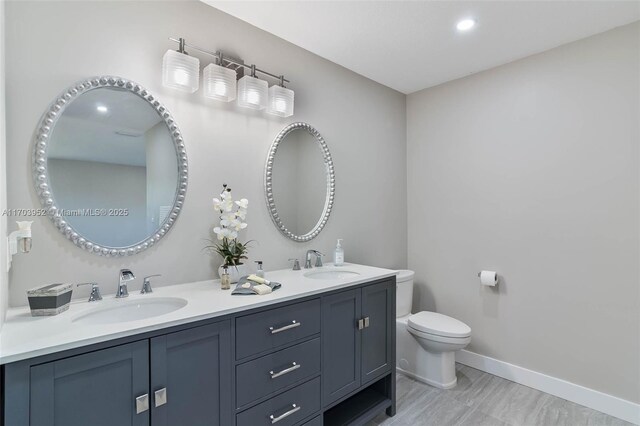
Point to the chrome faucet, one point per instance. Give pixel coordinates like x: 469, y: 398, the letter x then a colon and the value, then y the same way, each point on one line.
x: 125, y: 276
x: 307, y: 263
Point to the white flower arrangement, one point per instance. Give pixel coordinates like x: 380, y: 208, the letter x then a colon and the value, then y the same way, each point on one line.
x: 232, y: 220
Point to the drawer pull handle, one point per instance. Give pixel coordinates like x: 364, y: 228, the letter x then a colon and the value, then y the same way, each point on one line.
x: 294, y: 367
x: 293, y: 324
x: 295, y: 409
x: 142, y: 403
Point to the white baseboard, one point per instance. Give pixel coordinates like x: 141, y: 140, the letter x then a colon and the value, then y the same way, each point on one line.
x: 614, y: 406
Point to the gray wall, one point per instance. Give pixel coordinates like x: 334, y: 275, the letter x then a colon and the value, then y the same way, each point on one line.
x: 532, y: 169
x: 363, y: 123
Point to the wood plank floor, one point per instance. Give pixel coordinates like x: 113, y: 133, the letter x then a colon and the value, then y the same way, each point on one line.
x: 482, y: 399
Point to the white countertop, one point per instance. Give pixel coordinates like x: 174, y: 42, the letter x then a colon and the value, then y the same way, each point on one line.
x: 24, y: 336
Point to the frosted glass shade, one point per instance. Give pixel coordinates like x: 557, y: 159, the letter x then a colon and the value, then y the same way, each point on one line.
x: 280, y: 101
x: 180, y: 71
x: 219, y: 83
x: 252, y: 92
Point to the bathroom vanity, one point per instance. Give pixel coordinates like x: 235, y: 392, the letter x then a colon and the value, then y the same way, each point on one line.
x: 321, y: 350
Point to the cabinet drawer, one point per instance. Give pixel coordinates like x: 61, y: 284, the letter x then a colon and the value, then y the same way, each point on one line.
x: 273, y: 328
x: 270, y: 373
x: 286, y: 409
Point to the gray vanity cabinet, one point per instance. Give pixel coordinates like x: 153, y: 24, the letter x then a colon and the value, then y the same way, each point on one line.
x: 191, y: 377
x: 98, y: 388
x: 323, y: 359
x: 357, y: 338
x: 181, y: 378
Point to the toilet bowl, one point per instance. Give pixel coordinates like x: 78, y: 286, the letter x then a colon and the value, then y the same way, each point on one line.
x: 426, y: 341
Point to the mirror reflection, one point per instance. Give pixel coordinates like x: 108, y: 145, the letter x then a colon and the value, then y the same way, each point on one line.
x: 300, y: 182
x: 113, y: 167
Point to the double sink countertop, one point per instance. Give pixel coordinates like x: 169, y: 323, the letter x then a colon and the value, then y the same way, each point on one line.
x: 24, y: 336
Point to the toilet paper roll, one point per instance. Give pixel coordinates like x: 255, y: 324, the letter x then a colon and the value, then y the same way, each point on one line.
x: 489, y: 278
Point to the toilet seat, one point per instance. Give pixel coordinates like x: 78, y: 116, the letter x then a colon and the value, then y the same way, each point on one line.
x: 437, y: 325
x: 440, y: 339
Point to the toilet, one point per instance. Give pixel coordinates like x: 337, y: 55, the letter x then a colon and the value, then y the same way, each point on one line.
x: 426, y: 342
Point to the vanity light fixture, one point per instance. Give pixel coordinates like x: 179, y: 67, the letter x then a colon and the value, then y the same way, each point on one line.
x: 466, y: 24
x: 252, y: 92
x: 280, y: 100
x: 179, y: 70
x: 220, y: 80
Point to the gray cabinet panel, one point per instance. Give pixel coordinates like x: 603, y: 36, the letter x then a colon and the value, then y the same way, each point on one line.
x: 340, y: 344
x: 98, y: 388
x: 377, y: 343
x: 254, y: 379
x: 193, y: 367
x: 270, y: 329
x: 316, y: 421
x: 291, y: 407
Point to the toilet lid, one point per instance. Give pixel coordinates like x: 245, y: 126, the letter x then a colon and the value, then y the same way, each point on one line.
x: 438, y: 324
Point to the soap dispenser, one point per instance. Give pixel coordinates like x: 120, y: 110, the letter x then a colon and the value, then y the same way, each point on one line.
x: 259, y: 270
x: 338, y: 254
x: 225, y: 280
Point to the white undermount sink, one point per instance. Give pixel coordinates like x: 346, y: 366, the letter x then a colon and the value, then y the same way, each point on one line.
x: 131, y: 310
x: 331, y: 274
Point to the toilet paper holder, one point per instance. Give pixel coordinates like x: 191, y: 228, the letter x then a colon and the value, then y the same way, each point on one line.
x: 489, y: 278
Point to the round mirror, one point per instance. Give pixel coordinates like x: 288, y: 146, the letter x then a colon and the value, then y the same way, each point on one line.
x: 110, y: 166
x: 299, y: 182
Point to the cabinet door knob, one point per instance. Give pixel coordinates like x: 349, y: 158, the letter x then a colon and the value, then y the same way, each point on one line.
x: 366, y: 322
x: 142, y: 403
x: 360, y: 324
x: 160, y: 397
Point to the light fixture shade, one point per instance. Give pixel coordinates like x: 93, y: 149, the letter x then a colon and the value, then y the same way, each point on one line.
x: 180, y: 71
x: 219, y: 83
x: 280, y: 101
x: 252, y: 92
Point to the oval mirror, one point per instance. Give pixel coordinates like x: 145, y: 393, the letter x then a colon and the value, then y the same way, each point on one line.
x: 299, y: 182
x: 110, y: 166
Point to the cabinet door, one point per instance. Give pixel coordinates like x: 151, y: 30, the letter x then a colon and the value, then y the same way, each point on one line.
x: 191, y: 377
x: 340, y: 345
x: 378, y: 343
x: 98, y: 389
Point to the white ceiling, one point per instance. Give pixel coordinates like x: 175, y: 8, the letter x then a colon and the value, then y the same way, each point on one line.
x: 412, y: 45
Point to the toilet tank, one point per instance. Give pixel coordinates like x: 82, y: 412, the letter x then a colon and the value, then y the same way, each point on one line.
x: 404, y: 292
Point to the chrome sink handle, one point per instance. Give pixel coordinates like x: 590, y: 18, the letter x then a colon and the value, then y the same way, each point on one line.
x: 296, y: 264
x: 95, y: 291
x: 146, y: 284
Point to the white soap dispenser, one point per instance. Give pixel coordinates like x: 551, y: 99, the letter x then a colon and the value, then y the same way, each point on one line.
x: 338, y: 254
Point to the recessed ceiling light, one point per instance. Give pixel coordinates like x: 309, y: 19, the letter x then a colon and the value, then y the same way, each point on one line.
x: 102, y: 108
x: 466, y: 24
